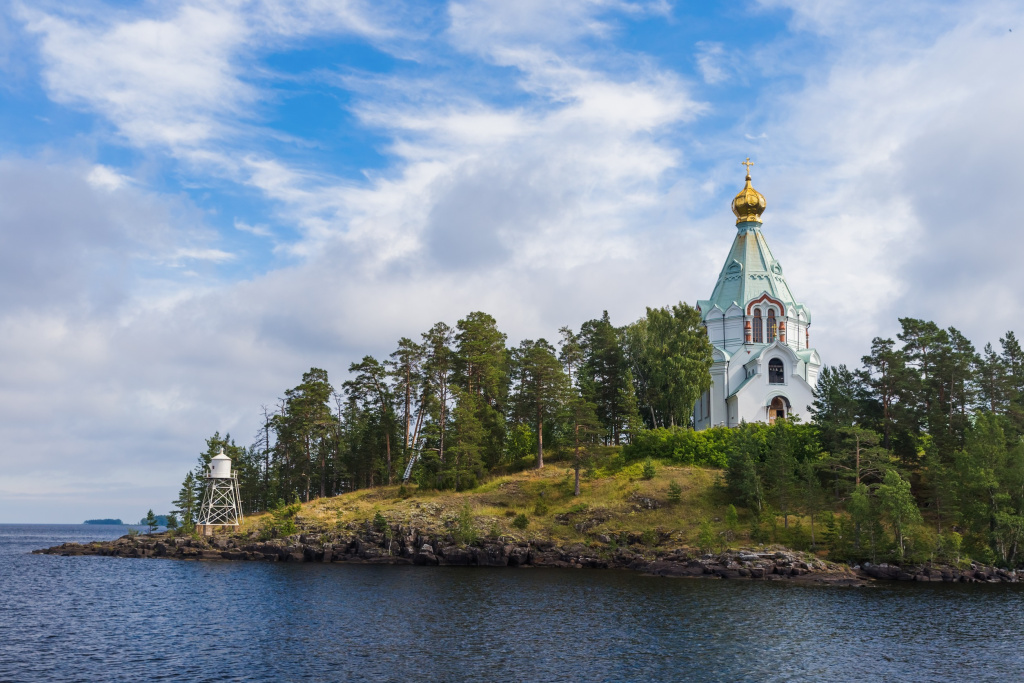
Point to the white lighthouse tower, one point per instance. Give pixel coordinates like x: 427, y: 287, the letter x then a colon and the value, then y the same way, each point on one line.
x: 221, y: 500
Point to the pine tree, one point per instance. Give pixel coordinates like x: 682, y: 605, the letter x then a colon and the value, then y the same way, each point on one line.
x: 582, y: 423
x: 151, y: 521
x: 187, y: 504
x: 604, y: 373
x: 370, y: 387
x: 542, y: 387
x: 780, y: 470
x: 482, y: 369
x: 467, y: 440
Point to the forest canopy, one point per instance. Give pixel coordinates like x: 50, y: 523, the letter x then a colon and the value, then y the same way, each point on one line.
x: 464, y: 405
x: 918, y: 451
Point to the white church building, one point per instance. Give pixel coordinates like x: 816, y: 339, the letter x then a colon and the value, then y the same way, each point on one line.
x: 764, y: 366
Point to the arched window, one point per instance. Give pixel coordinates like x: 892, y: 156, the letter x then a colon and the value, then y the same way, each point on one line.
x: 778, y: 408
x: 772, y: 327
x: 776, y: 374
x: 758, y: 328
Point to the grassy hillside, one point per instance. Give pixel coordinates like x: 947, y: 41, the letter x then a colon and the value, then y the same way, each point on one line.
x: 610, y: 504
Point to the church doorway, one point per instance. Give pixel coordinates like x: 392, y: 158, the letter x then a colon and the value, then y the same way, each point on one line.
x: 779, y: 407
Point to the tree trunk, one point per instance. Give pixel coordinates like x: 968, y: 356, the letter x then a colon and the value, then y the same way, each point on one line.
x: 408, y: 407
x: 540, y: 438
x: 857, y: 451
x: 576, y: 462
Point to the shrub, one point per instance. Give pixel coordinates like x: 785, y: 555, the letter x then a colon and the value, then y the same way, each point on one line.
x: 380, y: 523
x: 540, y: 508
x: 465, y: 529
x: 403, y: 492
x: 649, y: 470
x: 950, y: 546
x: 758, y: 532
x: 675, y: 492
x: 732, y: 521
x: 797, y: 536
x: 706, y: 537
x: 649, y: 537
x: 521, y: 521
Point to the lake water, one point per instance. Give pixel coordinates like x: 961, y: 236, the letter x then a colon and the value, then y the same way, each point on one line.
x: 97, y: 618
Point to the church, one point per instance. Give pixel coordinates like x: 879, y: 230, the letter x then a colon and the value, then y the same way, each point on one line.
x: 763, y: 364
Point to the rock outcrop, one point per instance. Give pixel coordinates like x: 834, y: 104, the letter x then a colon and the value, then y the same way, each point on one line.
x: 407, y: 545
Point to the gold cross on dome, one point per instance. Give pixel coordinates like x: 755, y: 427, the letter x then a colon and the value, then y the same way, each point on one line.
x: 748, y: 163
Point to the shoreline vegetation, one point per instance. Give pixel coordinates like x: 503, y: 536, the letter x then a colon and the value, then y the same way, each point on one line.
x: 914, y: 459
x: 653, y: 517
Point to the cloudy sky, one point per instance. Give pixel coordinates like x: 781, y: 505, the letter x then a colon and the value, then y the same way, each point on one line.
x: 201, y: 200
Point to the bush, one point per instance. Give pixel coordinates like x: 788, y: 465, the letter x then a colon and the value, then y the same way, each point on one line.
x: 649, y: 471
x: 950, y: 546
x: 675, y: 492
x: 706, y: 537
x: 521, y: 521
x: 758, y: 532
x: 281, y: 521
x: 649, y: 537
x: 465, y: 529
x: 797, y: 536
x: 380, y: 523
x: 540, y: 508
x: 732, y: 521
x: 709, y: 447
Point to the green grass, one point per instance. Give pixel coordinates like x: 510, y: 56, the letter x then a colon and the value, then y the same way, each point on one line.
x: 611, y: 501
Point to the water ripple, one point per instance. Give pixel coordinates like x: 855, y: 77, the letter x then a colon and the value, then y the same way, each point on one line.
x: 97, y: 618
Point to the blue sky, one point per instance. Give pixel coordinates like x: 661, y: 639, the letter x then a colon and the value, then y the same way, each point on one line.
x: 201, y: 200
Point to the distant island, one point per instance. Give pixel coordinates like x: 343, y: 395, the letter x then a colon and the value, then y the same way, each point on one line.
x: 161, y: 520
x: 103, y: 521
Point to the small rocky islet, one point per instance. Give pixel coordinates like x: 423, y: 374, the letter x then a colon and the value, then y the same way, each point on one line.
x: 409, y: 546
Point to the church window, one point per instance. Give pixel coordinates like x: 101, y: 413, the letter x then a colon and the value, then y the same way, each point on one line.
x: 772, y: 327
x: 777, y: 409
x: 776, y: 375
x: 758, y: 328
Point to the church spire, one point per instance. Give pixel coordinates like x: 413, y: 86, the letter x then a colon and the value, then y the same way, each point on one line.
x: 749, y: 204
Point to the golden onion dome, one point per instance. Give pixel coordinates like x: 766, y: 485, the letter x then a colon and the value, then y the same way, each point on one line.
x: 748, y: 205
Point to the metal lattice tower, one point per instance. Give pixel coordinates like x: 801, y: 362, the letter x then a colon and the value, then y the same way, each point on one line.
x: 222, y: 503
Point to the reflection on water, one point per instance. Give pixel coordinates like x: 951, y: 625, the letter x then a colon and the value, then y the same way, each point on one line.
x: 96, y: 618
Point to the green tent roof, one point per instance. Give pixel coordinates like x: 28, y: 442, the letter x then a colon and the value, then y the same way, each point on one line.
x: 749, y: 271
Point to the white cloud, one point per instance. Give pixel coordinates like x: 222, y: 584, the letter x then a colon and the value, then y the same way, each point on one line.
x: 260, y: 230
x: 711, y: 62
x: 212, y: 255
x: 180, y: 79
x: 101, y: 176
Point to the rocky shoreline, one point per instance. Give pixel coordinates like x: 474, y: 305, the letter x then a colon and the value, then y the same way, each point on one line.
x: 409, y: 546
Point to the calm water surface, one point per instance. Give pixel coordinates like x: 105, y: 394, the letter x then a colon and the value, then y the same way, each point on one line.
x: 96, y: 618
